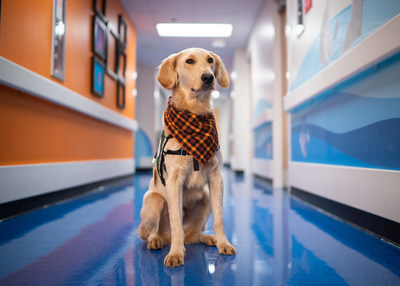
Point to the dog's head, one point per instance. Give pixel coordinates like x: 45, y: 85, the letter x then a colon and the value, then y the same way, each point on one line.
x: 194, y: 71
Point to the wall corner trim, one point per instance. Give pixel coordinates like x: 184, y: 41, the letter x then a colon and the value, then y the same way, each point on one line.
x: 20, y: 78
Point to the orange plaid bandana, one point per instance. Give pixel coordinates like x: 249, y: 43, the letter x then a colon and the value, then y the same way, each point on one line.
x: 197, y: 134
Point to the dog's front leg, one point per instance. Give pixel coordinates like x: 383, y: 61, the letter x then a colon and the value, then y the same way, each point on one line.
x: 174, y: 191
x: 216, y: 186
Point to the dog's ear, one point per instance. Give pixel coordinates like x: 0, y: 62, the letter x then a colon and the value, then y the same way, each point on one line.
x: 220, y: 71
x: 168, y: 76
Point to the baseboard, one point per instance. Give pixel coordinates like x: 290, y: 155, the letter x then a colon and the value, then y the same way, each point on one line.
x: 263, y: 179
x: 239, y: 172
x: 11, y: 209
x: 23, y: 181
x: 263, y: 167
x: 375, y: 191
x: 227, y: 165
x: 374, y: 224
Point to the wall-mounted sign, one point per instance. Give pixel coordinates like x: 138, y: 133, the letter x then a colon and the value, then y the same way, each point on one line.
x: 307, y: 6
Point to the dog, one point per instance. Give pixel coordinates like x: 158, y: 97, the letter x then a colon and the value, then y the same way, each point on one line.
x: 186, y: 187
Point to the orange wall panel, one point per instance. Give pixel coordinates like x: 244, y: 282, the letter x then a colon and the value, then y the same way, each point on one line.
x: 25, y: 38
x: 33, y: 130
x: 36, y: 131
x: 25, y: 33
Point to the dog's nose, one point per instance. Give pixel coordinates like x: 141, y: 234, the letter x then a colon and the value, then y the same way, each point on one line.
x: 207, y: 78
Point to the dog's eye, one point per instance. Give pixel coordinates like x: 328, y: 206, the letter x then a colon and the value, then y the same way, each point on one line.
x: 190, y: 61
x: 210, y: 60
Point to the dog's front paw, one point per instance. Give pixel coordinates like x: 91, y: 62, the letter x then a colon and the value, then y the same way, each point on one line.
x: 174, y: 259
x: 143, y: 231
x: 208, y: 239
x: 154, y: 242
x: 226, y: 248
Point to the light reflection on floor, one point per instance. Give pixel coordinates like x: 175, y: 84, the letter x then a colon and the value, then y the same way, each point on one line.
x: 92, y: 240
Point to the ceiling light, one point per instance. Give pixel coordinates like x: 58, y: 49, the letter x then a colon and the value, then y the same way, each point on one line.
x: 194, y: 30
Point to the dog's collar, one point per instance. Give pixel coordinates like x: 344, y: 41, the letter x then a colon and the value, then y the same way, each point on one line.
x: 197, y: 134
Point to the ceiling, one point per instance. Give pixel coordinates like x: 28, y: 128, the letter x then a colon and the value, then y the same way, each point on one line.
x: 151, y: 49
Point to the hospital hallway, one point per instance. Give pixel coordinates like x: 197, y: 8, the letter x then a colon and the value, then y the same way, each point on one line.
x: 91, y: 240
x: 297, y: 100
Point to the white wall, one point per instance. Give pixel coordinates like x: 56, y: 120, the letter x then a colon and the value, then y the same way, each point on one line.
x: 241, y: 117
x: 264, y: 52
x: 260, y: 49
x: 223, y: 105
x: 144, y: 108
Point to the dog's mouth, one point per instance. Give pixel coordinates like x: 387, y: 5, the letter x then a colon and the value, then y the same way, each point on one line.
x: 204, y: 88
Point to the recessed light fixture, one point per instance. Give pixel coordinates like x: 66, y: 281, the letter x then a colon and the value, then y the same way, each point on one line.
x: 194, y: 30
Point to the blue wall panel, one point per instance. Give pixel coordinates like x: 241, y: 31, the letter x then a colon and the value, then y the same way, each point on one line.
x: 355, y: 124
x: 263, y: 141
x: 143, y: 147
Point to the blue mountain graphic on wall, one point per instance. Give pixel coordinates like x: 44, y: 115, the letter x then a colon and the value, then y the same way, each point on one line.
x: 375, y: 145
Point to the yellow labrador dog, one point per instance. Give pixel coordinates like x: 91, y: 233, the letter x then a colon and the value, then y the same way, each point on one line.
x: 187, y: 176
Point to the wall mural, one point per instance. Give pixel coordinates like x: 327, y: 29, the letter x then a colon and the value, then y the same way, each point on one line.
x: 263, y: 141
x: 343, y: 32
x: 355, y: 124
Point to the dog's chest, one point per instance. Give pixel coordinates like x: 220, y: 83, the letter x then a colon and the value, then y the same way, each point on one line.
x: 195, y: 179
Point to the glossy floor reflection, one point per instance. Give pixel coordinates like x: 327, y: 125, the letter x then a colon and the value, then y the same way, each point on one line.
x: 92, y: 240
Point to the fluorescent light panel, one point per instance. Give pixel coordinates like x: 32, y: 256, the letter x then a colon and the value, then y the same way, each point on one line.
x: 194, y: 30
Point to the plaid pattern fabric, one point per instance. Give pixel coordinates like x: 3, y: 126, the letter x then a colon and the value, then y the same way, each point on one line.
x: 197, y: 134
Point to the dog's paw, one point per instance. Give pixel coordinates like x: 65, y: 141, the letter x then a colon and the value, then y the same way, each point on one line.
x: 154, y: 243
x: 208, y: 239
x: 143, y: 231
x: 226, y: 248
x: 174, y: 259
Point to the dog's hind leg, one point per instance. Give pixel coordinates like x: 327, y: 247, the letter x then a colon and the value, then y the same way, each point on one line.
x: 153, y: 205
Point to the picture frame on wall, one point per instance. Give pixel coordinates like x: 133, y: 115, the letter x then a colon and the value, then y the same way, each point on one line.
x: 58, y: 39
x: 121, y: 94
x: 111, y: 66
x: 99, y: 43
x: 120, y: 62
x: 99, y: 7
x: 122, y: 31
x: 98, y: 77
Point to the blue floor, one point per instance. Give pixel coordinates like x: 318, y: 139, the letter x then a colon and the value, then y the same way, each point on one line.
x: 92, y: 240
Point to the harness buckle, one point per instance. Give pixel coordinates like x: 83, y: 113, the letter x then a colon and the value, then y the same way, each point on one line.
x: 183, y: 152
